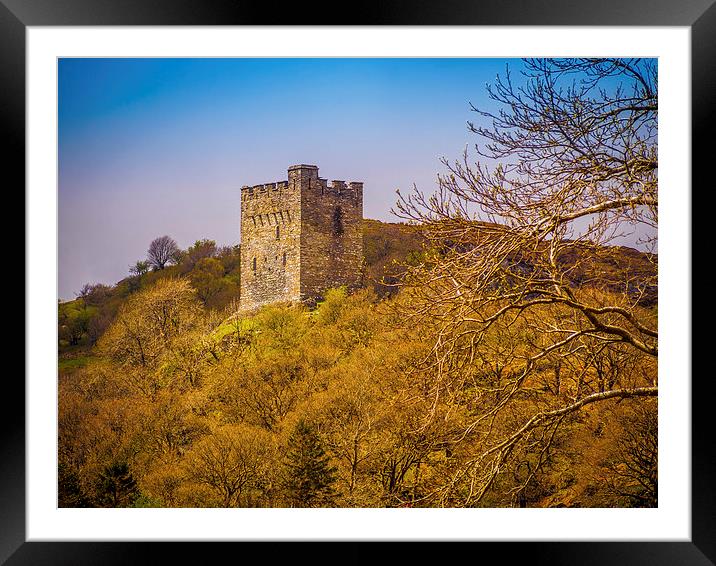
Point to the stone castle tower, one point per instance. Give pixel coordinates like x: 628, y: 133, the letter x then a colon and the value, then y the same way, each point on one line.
x: 299, y: 237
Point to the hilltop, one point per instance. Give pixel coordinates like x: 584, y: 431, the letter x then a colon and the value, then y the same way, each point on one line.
x: 214, y: 272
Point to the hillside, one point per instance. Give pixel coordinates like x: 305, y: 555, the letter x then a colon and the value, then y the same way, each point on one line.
x: 167, y: 395
x: 214, y: 273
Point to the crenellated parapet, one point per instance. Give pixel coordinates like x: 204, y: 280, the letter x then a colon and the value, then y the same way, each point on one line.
x: 305, y: 178
x: 263, y: 190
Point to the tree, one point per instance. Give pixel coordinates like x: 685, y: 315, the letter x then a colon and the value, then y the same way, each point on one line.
x: 525, y: 241
x: 162, y: 251
x: 207, y: 277
x: 200, y: 250
x: 97, y: 325
x: 116, y: 487
x: 230, y: 257
x: 145, y: 329
x: 350, y: 419
x: 634, y: 466
x: 233, y: 462
x: 74, y: 319
x: 69, y: 490
x: 139, y: 268
x: 95, y: 293
x: 310, y: 476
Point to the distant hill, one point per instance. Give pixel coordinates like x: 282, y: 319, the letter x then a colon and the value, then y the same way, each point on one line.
x: 384, y: 245
x: 618, y: 269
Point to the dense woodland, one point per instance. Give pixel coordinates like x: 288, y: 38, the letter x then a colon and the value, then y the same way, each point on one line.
x: 505, y: 361
x: 168, y: 399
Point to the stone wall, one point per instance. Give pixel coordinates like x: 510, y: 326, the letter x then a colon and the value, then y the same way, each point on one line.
x: 318, y: 244
x: 331, y: 237
x: 270, y: 244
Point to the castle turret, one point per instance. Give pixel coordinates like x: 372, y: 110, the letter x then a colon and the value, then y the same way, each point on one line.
x: 299, y: 237
x: 302, y: 174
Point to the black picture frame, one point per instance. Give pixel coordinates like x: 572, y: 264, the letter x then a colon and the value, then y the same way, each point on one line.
x: 698, y: 15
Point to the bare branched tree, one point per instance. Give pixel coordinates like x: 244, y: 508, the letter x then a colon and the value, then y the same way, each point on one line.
x: 525, y: 242
x: 162, y: 251
x: 634, y: 470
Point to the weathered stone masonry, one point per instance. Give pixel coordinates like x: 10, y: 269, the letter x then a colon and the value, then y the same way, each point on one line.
x: 299, y: 237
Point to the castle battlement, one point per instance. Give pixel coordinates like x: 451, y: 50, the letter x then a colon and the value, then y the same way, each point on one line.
x: 257, y: 190
x: 299, y: 237
x: 311, y: 181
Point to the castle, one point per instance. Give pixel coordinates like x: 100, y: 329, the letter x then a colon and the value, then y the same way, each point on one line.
x: 299, y: 237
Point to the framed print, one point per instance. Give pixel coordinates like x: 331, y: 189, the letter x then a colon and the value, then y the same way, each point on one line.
x: 468, y: 358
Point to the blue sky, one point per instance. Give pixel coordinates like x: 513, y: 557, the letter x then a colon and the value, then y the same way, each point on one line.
x: 149, y: 147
